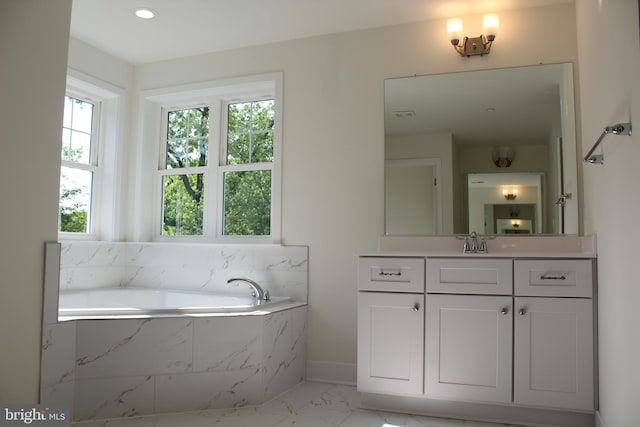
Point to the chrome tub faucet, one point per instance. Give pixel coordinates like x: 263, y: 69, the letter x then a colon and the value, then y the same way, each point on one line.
x: 259, y: 293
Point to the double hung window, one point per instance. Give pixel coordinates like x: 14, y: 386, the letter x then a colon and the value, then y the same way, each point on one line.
x: 78, y: 164
x: 218, y: 167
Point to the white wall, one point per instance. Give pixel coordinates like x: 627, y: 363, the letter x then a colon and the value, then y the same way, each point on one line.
x: 333, y: 149
x: 34, y: 35
x: 610, y: 93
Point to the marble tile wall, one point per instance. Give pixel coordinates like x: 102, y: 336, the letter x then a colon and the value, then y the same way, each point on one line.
x: 283, y: 270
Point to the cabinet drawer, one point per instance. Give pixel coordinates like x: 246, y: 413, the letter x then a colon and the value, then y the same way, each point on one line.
x: 556, y: 278
x: 469, y: 276
x: 391, y: 274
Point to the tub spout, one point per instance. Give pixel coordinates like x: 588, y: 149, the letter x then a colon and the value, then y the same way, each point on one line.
x: 258, y: 292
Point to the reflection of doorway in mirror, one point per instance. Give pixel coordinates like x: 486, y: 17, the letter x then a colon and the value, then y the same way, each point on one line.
x: 506, y: 203
x: 412, y: 197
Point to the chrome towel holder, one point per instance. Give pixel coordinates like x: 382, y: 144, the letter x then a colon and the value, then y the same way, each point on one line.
x: 618, y: 129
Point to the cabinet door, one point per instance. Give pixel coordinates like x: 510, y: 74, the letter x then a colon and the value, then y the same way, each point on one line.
x: 553, y: 353
x: 390, y: 343
x: 469, y: 347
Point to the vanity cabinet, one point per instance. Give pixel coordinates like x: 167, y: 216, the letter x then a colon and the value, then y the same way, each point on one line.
x: 470, y: 352
x: 391, y: 325
x: 554, y: 334
x: 507, y: 331
x: 469, y: 345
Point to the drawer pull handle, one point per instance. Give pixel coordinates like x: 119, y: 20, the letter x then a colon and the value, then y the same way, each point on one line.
x: 545, y: 277
x: 384, y: 273
x: 416, y: 307
x: 504, y: 311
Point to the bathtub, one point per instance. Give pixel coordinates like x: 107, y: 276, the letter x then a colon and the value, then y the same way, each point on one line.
x: 132, y: 302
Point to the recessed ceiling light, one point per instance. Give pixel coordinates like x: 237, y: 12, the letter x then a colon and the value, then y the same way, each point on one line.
x: 145, y: 13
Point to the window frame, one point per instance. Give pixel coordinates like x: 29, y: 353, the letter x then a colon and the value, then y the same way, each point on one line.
x: 109, y: 180
x: 92, y: 166
x: 216, y: 95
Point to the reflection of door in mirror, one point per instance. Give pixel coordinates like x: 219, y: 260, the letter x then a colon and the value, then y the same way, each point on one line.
x: 412, y: 197
x: 506, y: 203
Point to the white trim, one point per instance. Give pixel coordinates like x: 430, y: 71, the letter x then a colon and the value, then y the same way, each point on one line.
x: 599, y: 422
x: 331, y: 372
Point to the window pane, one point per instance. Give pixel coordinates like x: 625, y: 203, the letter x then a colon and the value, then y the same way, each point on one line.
x: 238, y: 149
x: 262, y: 147
x: 263, y: 114
x: 75, y: 200
x: 182, y: 204
x: 82, y: 116
x: 250, y: 132
x: 247, y: 203
x: 239, y: 117
x: 187, y: 138
x: 77, y: 130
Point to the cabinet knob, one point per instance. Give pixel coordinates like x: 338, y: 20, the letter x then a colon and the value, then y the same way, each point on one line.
x: 416, y: 307
x: 522, y: 312
x: 504, y: 311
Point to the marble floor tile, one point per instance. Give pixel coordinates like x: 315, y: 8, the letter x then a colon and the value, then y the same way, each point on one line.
x: 306, y: 405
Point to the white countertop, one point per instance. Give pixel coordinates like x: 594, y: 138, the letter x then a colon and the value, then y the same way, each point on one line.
x: 499, y: 247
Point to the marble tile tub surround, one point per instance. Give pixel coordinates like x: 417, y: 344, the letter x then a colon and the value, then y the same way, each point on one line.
x: 128, y: 367
x: 131, y: 367
x: 283, y: 270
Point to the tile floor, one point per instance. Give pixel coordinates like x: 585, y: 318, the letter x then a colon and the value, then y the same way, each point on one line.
x: 306, y: 405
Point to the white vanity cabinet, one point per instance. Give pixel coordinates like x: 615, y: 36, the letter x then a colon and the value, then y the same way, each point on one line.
x: 541, y: 329
x: 469, y: 329
x: 553, y: 334
x: 390, y: 325
x: 469, y: 345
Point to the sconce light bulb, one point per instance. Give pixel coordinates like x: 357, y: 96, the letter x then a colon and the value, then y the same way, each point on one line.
x: 490, y: 24
x: 454, y: 30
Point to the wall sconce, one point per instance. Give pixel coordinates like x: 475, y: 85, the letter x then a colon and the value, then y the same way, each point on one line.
x: 473, y: 45
x: 515, y: 224
x: 510, y: 195
x: 502, y: 156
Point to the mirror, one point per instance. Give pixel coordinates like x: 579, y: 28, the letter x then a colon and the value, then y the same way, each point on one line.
x: 457, y: 146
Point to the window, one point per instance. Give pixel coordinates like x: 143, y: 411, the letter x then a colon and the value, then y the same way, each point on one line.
x: 79, y: 164
x: 247, y: 169
x: 218, y: 174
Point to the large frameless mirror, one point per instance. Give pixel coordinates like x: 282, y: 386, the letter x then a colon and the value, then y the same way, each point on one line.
x: 492, y: 151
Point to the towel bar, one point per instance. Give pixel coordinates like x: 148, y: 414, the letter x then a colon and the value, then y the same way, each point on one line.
x: 619, y: 129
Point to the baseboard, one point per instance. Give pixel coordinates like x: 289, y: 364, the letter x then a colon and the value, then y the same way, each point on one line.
x: 599, y: 420
x: 331, y: 372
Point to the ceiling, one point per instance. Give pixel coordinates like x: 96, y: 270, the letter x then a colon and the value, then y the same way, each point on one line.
x: 491, y: 107
x: 190, y: 27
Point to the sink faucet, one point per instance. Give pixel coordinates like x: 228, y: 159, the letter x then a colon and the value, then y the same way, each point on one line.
x: 258, y: 292
x: 475, y: 244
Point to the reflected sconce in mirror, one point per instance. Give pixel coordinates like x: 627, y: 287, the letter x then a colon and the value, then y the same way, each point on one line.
x: 469, y: 46
x: 502, y: 156
x: 510, y: 194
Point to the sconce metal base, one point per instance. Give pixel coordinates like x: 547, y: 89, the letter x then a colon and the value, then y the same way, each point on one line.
x: 471, y: 46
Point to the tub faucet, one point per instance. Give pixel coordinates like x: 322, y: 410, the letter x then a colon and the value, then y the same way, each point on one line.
x: 258, y: 292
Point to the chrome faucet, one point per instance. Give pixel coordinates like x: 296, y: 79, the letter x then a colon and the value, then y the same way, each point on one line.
x: 258, y: 292
x: 475, y: 244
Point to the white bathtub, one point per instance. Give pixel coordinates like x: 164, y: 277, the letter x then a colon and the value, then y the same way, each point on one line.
x: 130, y: 302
